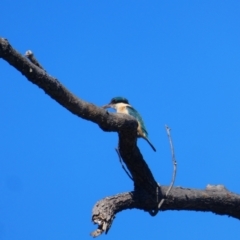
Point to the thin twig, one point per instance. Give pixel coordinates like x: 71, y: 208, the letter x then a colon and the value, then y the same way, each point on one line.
x: 29, y: 54
x: 121, y: 161
x: 174, y: 166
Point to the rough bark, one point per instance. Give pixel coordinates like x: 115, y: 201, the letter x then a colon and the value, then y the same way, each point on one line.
x: 146, y: 193
x: 216, y: 199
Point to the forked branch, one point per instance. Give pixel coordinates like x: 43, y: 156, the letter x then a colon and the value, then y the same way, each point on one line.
x: 214, y: 199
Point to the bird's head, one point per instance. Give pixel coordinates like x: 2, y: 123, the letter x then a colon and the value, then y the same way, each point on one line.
x: 115, y: 101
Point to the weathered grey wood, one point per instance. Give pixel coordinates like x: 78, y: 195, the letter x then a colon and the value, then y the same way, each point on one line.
x: 146, y: 192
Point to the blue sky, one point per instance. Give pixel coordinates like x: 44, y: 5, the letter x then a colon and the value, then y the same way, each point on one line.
x: 177, y: 62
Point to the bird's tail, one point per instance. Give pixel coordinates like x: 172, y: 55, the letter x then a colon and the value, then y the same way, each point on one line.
x: 154, y: 149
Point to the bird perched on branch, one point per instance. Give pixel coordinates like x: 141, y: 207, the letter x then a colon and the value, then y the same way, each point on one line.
x: 122, y: 105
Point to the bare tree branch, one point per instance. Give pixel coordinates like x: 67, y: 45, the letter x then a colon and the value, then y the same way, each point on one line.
x: 29, y: 54
x: 123, y: 167
x: 144, y: 196
x: 215, y: 199
x: 125, y: 125
x: 174, y: 166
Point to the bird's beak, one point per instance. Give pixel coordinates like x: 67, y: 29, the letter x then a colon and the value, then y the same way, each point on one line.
x: 107, y: 106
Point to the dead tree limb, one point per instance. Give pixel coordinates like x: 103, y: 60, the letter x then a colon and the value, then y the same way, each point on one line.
x: 146, y: 193
x: 215, y: 198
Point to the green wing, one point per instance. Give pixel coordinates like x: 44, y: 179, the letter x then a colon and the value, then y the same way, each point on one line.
x: 136, y: 115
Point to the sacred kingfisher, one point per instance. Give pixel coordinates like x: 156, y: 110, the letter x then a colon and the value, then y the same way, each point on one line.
x: 122, y: 105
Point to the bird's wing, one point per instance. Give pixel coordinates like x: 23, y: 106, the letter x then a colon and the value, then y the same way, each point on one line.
x: 135, y: 114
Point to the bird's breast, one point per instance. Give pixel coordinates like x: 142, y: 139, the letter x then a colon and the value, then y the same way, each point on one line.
x: 122, y: 109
